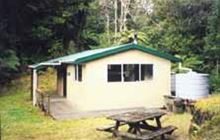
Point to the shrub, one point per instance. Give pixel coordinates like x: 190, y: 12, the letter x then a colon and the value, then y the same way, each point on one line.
x: 215, y: 82
x: 47, y: 81
x: 210, y: 105
x: 210, y: 130
x: 206, y: 118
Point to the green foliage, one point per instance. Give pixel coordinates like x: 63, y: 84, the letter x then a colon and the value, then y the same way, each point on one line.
x: 8, y: 59
x: 104, y: 40
x: 210, y: 130
x: 192, y: 61
x: 212, y: 46
x: 9, y: 63
x: 32, y: 31
x: 189, y: 61
x: 128, y: 35
x: 57, y: 49
x: 42, y: 32
x: 48, y: 81
x: 175, y: 29
x: 215, y: 81
x: 61, y: 20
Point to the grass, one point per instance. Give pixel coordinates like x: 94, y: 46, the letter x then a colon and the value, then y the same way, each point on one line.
x: 210, y: 130
x: 182, y: 121
x: 21, y: 121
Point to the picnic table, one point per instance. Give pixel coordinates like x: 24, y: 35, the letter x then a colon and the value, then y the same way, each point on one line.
x: 137, y: 122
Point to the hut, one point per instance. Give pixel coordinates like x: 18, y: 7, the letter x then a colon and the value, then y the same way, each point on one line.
x: 124, y: 76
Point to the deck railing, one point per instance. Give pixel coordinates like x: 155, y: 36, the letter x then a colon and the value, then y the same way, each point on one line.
x: 43, y: 101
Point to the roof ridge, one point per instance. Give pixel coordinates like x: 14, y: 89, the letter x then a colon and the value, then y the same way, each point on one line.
x: 134, y: 46
x: 122, y: 45
x: 106, y: 48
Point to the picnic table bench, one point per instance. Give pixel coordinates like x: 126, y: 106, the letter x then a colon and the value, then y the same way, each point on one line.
x: 108, y: 128
x: 150, y: 136
x: 137, y: 122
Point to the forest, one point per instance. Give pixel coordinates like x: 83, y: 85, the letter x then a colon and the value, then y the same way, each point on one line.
x: 32, y: 31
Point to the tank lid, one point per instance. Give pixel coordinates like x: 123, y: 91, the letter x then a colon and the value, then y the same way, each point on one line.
x: 196, y: 73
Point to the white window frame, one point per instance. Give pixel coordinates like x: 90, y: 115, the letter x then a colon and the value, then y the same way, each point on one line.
x: 122, y: 72
x: 153, y: 67
x: 77, y: 73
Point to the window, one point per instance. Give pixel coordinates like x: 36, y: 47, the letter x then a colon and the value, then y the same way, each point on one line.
x: 114, y: 73
x: 78, y: 73
x: 146, y: 72
x: 131, y: 72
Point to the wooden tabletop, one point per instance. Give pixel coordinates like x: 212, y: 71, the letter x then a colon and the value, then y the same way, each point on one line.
x: 134, y: 117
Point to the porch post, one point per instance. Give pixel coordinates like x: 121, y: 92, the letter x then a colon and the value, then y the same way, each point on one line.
x: 34, y: 86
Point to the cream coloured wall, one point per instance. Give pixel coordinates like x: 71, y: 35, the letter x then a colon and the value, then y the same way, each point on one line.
x: 96, y: 93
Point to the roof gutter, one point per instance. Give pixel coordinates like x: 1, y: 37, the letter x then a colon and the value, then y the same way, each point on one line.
x: 44, y: 64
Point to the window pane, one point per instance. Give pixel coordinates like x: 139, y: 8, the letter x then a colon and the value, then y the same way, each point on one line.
x: 75, y: 72
x: 146, y: 71
x: 131, y: 72
x: 79, y: 72
x: 114, y: 73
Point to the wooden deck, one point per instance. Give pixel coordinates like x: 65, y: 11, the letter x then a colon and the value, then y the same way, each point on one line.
x: 62, y: 109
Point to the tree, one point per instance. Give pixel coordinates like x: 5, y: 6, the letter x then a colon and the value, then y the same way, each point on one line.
x: 32, y: 31
x: 212, y: 48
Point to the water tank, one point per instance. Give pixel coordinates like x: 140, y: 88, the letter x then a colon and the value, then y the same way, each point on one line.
x: 190, y: 85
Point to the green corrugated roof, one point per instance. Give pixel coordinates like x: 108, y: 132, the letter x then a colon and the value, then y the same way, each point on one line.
x: 90, y: 55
